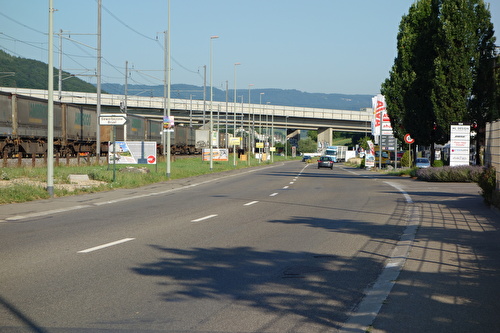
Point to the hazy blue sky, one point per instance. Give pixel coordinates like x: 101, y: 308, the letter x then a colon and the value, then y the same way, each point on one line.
x: 329, y: 46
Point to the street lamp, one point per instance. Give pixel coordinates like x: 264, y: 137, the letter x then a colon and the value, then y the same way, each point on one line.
x: 250, y: 134
x: 272, y: 136
x: 286, y: 137
x: 211, y: 101
x: 234, y: 113
x: 260, y: 126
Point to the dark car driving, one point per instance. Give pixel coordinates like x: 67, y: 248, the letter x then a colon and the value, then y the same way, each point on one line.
x: 325, y: 162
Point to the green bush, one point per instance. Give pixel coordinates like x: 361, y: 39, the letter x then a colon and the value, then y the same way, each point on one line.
x: 487, y: 182
x: 406, y: 160
x: 464, y: 173
x: 438, y: 163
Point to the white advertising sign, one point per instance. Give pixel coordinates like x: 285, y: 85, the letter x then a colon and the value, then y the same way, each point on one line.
x: 459, y: 145
x: 380, y: 117
x: 132, y: 152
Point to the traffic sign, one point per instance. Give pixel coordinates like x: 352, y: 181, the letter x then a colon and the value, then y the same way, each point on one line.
x: 112, y: 119
x: 409, y: 139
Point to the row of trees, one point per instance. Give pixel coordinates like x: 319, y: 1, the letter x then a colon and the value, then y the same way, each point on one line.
x: 444, y: 71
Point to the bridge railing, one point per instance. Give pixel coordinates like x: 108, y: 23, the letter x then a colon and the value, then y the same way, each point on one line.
x: 197, y: 105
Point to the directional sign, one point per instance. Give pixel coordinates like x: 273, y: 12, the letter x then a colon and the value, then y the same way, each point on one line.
x: 112, y: 119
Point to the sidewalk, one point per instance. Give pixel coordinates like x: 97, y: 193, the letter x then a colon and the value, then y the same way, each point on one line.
x: 451, y: 279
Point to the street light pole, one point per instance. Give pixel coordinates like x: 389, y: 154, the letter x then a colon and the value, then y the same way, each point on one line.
x: 234, y: 113
x: 211, y: 101
x: 272, y: 136
x: 260, y: 127
x: 250, y: 134
x: 50, y: 105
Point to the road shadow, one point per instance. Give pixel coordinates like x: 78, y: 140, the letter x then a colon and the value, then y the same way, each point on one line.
x: 324, y: 288
x: 449, y: 283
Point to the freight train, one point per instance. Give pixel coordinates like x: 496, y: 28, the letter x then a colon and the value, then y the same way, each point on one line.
x: 23, y: 130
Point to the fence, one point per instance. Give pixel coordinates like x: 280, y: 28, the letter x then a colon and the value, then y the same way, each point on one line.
x: 492, y: 152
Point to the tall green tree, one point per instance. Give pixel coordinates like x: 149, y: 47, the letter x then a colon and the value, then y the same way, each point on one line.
x: 442, y: 72
x: 408, y: 89
x: 484, y: 103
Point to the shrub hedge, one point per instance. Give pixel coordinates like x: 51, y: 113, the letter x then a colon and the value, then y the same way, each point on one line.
x: 463, y: 173
x: 485, y: 177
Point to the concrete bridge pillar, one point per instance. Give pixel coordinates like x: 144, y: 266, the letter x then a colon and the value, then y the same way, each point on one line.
x: 325, y: 137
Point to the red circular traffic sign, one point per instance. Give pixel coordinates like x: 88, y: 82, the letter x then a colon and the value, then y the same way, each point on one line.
x: 151, y: 159
x: 408, y: 139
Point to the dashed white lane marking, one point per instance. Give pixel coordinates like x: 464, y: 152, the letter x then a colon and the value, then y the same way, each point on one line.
x: 273, y: 194
x: 291, y: 182
x: 285, y: 187
x: 250, y: 203
x: 67, y: 209
x: 204, y: 218
x: 106, y: 245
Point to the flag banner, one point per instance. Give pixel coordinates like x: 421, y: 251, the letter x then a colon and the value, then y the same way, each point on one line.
x: 381, y: 118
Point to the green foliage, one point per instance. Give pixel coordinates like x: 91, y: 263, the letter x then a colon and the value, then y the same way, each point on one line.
x: 406, y: 159
x: 487, y: 183
x: 342, y: 141
x: 363, y: 142
x: 33, y: 74
x: 313, y: 135
x: 438, y: 163
x: 22, y: 193
x: 442, y: 72
x: 308, y: 145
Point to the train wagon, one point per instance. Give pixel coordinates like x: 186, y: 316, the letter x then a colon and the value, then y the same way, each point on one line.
x: 24, y: 129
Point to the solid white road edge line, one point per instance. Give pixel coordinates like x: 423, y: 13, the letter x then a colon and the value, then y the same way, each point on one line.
x: 371, y: 304
x: 106, y: 245
x: 204, y: 218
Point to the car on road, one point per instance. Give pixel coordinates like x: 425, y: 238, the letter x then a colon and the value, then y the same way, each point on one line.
x: 306, y: 158
x: 325, y: 162
x: 422, y: 162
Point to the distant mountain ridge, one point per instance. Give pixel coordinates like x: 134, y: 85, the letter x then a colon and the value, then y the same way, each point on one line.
x: 284, y: 97
x: 32, y: 74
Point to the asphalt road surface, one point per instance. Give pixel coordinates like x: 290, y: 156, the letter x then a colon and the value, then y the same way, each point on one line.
x: 283, y: 248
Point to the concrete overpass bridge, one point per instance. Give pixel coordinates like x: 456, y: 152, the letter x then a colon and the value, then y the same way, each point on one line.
x: 197, y: 112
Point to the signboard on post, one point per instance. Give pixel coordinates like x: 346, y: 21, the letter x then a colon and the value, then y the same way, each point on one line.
x: 168, y: 124
x: 132, y: 152
x: 217, y: 154
x: 235, y: 141
x: 459, y: 144
x: 112, y: 119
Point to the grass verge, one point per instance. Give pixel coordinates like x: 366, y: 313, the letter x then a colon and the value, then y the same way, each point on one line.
x: 28, y: 184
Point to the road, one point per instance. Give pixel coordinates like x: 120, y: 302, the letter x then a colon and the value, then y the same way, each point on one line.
x: 283, y: 248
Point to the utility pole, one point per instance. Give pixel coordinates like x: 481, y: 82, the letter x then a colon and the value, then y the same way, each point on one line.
x: 50, y: 102
x: 99, y: 58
